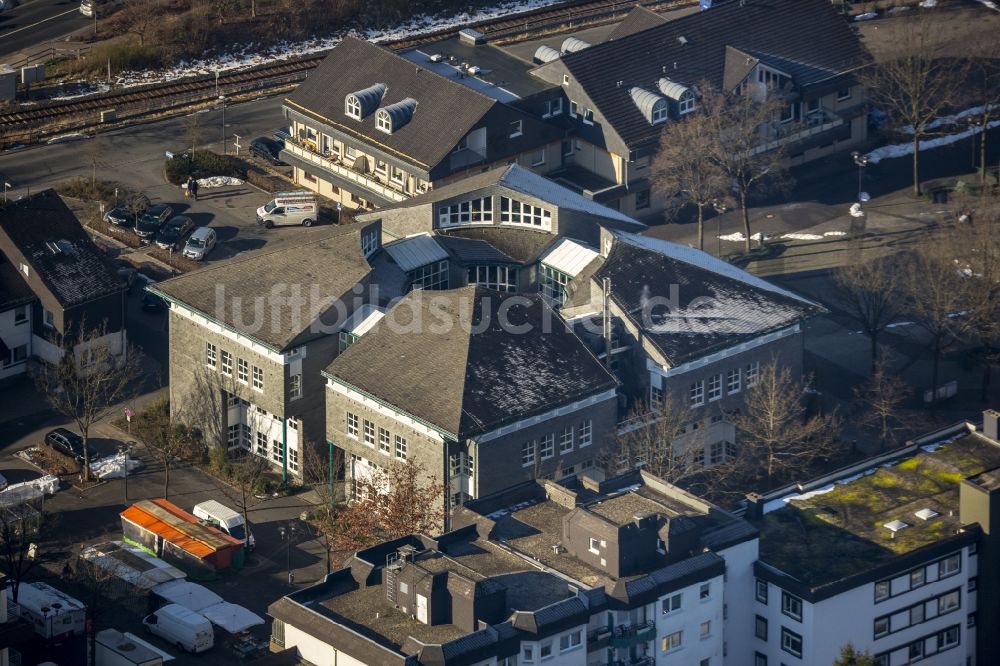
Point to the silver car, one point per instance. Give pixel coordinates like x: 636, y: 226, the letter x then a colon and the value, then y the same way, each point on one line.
x: 200, y: 243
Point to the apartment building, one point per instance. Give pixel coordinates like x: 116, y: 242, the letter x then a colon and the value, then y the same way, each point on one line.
x: 54, y: 283
x: 249, y: 337
x: 483, y: 390
x: 371, y: 128
x: 624, y: 571
x: 620, y: 93
x: 894, y: 555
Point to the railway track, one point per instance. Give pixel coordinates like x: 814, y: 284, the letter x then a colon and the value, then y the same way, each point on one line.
x: 31, y: 124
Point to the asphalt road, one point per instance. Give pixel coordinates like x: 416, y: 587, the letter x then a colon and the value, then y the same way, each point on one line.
x: 34, y: 22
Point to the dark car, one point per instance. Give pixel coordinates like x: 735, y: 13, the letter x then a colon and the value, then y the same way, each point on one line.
x: 153, y: 303
x: 267, y: 150
x: 69, y: 443
x: 150, y: 223
x: 172, y: 233
x: 125, y: 213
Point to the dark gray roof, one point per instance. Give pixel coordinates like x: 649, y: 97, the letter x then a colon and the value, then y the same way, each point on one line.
x: 327, y: 259
x: 58, y: 249
x: 637, y: 20
x: 706, y: 564
x: 445, y: 111
x: 717, y: 304
x: 482, y: 378
x: 472, y: 251
x: 14, y: 290
x: 809, y: 33
x: 524, y: 245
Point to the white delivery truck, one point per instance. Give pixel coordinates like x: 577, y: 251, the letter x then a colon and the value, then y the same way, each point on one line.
x: 54, y: 615
x: 289, y: 208
x: 181, y: 627
x: 223, y: 518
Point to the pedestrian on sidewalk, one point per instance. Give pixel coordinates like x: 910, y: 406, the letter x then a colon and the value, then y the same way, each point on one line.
x: 194, y: 188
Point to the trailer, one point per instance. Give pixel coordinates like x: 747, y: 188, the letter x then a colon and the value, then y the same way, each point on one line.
x: 54, y: 614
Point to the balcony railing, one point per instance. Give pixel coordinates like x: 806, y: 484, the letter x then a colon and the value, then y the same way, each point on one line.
x: 634, y: 661
x: 624, y: 636
x: 816, y: 122
x: 344, y: 172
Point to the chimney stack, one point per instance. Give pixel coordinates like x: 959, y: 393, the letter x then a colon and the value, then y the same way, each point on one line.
x: 991, y: 424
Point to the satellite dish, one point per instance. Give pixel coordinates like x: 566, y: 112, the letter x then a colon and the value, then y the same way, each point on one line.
x: 864, y: 197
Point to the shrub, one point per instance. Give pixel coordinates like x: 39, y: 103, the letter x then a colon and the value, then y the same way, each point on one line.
x: 175, y: 260
x: 203, y: 164
x: 82, y: 188
x: 122, y: 56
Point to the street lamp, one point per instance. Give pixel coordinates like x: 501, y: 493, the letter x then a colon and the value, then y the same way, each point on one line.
x: 287, y: 534
x: 123, y: 450
x: 6, y: 186
x: 222, y: 98
x: 720, y: 209
x: 861, y: 161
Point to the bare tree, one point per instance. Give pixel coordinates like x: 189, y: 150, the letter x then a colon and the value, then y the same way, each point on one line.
x: 21, y: 528
x: 775, y: 437
x: 913, y: 82
x: 984, y: 91
x: 880, y: 399
x: 323, y: 473
x: 743, y: 125
x: 868, y: 294
x: 141, y: 17
x: 89, y: 381
x: 98, y: 583
x: 684, y: 165
x: 245, y: 474
x: 169, y: 442
x: 193, y: 131
x: 94, y: 151
x: 390, y: 503
x: 657, y: 440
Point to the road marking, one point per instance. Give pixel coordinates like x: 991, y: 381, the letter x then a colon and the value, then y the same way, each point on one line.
x: 7, y: 34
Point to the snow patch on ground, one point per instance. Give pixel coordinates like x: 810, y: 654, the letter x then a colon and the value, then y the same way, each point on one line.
x: 219, y: 181
x: 900, y: 324
x: 85, y: 90
x: 66, y: 138
x: 903, y: 149
x: 867, y: 16
x: 928, y: 4
x: 990, y: 4
x: 834, y: 233
x: 738, y: 237
x: 952, y: 119
x: 252, y: 55
x: 797, y: 236
x: 113, y: 467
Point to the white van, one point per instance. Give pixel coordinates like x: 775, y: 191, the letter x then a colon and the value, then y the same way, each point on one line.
x: 223, y: 518
x: 289, y: 208
x: 181, y: 627
x: 200, y: 243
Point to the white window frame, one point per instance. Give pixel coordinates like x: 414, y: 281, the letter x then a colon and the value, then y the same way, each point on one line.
x: 383, y: 121
x: 585, y: 433
x: 734, y: 381
x: 696, y: 394
x: 715, y: 387
x: 686, y: 103
x: 368, y: 432
x: 660, y: 113
x: 791, y: 606
x: 566, y: 440
x: 594, y: 546
x: 516, y: 129
x: 547, y: 446
x: 384, y: 441
x: 295, y: 386
x: 211, y: 355
x: 352, y: 107
x: 258, y: 378
x: 397, y: 175
x: 242, y: 370
x: 588, y: 116
x: 226, y: 365
x: 352, y: 425
x: 753, y: 373
x: 529, y: 451
x: 788, y: 639
x: 673, y: 641
x: 841, y: 98
x: 400, y: 449
x: 540, y: 161
x: 671, y: 604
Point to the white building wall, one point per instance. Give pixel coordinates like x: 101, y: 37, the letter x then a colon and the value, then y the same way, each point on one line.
x: 739, y: 598
x: 573, y: 655
x: 694, y: 648
x: 316, y: 651
x: 850, y: 616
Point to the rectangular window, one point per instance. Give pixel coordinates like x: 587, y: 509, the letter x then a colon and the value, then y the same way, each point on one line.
x: 545, y: 650
x: 762, y: 591
x: 760, y: 628
x: 261, y: 449
x: 20, y: 314
x: 584, y: 433
x: 515, y: 129
x: 704, y: 629
x: 276, y: 453
x: 947, y: 638
x: 753, y: 371
x: 352, y: 425
x: 881, y: 590
x: 398, y: 176
x: 570, y: 641
x: 671, y: 641
x: 566, y: 440
x: 948, y: 602
x: 759, y: 659
x: 400, y: 447
x: 538, y: 158
x: 791, y: 642
x: 918, y: 614
x: 293, y: 460
x: 384, y: 443
x: 595, y: 546
x: 432, y: 276
x: 242, y: 370
x: 369, y: 432
x: 227, y: 363
x: 573, y: 109
x: 881, y: 626
x: 547, y: 446
x: 917, y: 577
x: 715, y: 387
x: 950, y: 566
x: 843, y: 93
x: 528, y: 453
x: 295, y: 387
x: 498, y: 278
x: 258, y: 378
x: 48, y: 318
x: 696, y: 394
x: 475, y: 211
x: 671, y: 604
x: 552, y: 285
x: 588, y: 116
x: 733, y: 381
x: 704, y: 591
x: 642, y: 199
x: 513, y: 211
x: 210, y: 353
x: 791, y: 606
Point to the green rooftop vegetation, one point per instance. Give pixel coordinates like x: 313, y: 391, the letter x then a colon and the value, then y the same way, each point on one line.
x: 842, y: 532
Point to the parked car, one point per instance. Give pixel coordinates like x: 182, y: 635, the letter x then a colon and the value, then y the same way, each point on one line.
x: 152, y: 303
x: 127, y: 276
x: 172, y: 234
x: 149, y: 224
x: 282, y: 134
x: 201, y: 242
x: 267, y: 150
x: 69, y: 443
x: 125, y: 213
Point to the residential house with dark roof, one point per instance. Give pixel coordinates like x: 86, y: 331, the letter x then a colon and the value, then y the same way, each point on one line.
x: 625, y: 571
x: 481, y: 389
x: 372, y: 128
x: 246, y: 352
x: 895, y: 554
x: 619, y: 94
x: 55, y: 284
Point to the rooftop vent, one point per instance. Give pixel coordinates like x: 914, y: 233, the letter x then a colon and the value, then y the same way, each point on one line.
x: 682, y: 39
x: 572, y: 45
x: 926, y: 514
x: 546, y: 54
x: 60, y: 248
x: 895, y: 526
x: 472, y: 37
x: 437, y: 57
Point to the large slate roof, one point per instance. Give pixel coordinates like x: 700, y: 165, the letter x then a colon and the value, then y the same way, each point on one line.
x: 461, y: 371
x: 328, y: 259
x: 637, y: 20
x: 14, y: 290
x: 717, y: 304
x: 523, y: 245
x: 807, y: 35
x: 58, y: 249
x: 446, y: 110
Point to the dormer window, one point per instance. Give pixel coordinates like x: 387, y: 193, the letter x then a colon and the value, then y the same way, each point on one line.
x: 392, y: 118
x: 660, y: 112
x: 353, y: 107
x: 383, y: 122
x: 686, y: 103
